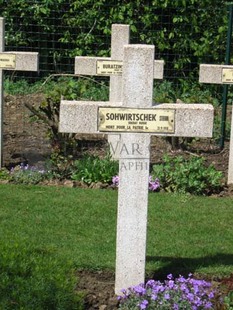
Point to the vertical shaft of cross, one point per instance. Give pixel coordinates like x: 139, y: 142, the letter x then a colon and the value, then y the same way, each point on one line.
x: 134, y: 161
x: 2, y: 46
x: 120, y: 37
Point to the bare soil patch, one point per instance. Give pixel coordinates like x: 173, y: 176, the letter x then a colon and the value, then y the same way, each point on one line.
x: 23, y: 140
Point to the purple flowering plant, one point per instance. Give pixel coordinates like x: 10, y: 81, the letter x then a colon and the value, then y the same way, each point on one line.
x: 175, y: 294
x: 115, y: 180
x: 153, y: 184
x: 25, y: 174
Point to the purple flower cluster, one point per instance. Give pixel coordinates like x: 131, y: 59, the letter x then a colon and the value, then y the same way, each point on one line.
x: 25, y: 174
x: 175, y: 294
x: 26, y: 167
x: 153, y: 184
x: 115, y: 180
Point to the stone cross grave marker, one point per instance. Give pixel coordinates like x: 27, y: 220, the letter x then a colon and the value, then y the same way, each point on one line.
x: 112, y: 67
x: 136, y: 119
x: 20, y: 61
x: 220, y: 74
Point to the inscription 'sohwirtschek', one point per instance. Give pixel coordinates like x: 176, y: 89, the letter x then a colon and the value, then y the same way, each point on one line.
x: 108, y: 67
x: 227, y: 76
x: 136, y: 120
x: 7, y: 61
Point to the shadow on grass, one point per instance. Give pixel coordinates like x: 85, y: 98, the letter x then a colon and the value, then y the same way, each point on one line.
x: 185, y: 266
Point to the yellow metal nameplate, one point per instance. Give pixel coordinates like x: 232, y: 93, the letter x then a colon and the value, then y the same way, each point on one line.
x: 7, y: 61
x: 108, y: 67
x: 227, y: 76
x: 136, y: 120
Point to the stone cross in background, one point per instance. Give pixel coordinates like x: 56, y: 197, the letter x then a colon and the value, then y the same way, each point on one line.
x: 112, y: 66
x: 220, y: 74
x: 136, y: 119
x: 20, y: 61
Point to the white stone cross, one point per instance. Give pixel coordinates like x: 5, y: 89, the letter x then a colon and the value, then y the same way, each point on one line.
x: 98, y: 66
x: 20, y: 61
x: 220, y: 74
x: 136, y: 119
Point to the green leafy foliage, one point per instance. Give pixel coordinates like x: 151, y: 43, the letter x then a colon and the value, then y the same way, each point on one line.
x: 164, y: 92
x: 228, y: 301
x: 20, y: 87
x: 59, y: 166
x: 24, y: 87
x: 178, y: 174
x: 4, y: 174
x: 184, y: 32
x: 187, y: 91
x: 218, y: 124
x: 32, y: 278
x: 91, y: 169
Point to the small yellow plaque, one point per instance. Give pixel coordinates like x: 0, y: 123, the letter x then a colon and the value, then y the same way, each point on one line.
x: 7, y: 61
x: 227, y: 76
x: 109, y: 67
x: 136, y: 120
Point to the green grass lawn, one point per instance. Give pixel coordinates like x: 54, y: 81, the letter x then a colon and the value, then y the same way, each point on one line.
x: 185, y: 233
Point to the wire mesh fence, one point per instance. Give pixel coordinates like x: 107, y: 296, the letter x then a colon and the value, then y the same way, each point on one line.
x: 184, y: 33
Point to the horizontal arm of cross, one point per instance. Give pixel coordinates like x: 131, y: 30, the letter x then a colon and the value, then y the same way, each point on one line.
x: 191, y: 120
x: 88, y: 66
x: 214, y: 74
x: 24, y: 61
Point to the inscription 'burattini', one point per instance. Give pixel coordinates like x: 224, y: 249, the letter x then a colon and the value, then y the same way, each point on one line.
x: 109, y: 66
